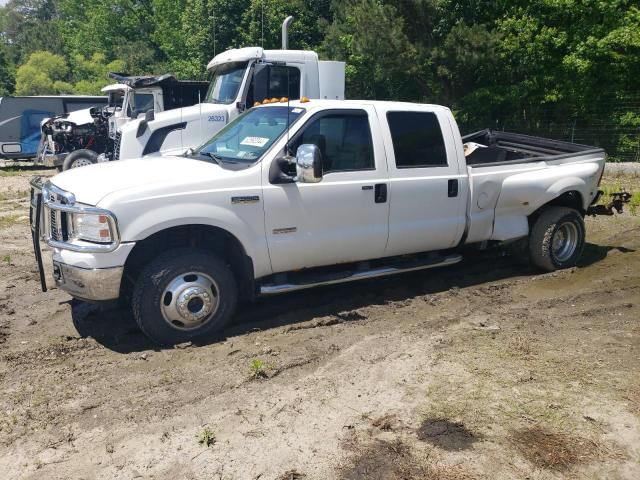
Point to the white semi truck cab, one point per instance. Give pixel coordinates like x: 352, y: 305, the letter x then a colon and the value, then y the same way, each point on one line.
x: 292, y: 195
x: 238, y: 79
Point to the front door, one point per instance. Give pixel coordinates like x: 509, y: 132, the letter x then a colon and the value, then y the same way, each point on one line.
x: 344, y: 217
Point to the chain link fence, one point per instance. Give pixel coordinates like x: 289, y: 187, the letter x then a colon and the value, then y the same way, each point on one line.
x: 614, y: 126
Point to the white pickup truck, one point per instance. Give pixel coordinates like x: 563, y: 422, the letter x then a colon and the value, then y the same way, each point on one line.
x: 375, y: 188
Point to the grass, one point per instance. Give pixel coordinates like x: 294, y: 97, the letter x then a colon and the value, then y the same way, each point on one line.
x: 257, y: 369
x: 617, y: 183
x: 554, y: 451
x: 206, y: 437
x: 10, y: 172
x: 13, y: 195
x: 8, y: 220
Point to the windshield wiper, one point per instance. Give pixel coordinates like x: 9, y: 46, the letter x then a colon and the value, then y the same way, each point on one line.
x: 216, y: 158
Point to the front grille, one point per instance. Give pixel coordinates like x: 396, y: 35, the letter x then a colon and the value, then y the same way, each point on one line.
x: 58, y: 230
x: 116, y: 146
x: 55, y: 234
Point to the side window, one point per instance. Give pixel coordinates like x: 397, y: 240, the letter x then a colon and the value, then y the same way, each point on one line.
x: 344, y: 140
x: 417, y: 139
x: 141, y: 103
x: 278, y: 82
x: 277, y: 85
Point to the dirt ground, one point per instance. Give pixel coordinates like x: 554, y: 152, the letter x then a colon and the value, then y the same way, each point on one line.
x: 487, y: 370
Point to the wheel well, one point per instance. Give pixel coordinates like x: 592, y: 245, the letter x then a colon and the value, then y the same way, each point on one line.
x: 571, y: 199
x: 205, y: 237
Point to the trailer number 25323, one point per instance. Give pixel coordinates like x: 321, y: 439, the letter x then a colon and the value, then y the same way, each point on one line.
x: 217, y: 118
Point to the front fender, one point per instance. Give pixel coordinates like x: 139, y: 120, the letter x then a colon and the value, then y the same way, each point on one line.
x: 246, y: 224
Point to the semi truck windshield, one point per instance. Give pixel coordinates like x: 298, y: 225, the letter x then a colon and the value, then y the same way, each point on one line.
x: 225, y: 82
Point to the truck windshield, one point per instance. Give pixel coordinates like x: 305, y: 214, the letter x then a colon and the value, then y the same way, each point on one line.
x: 249, y: 136
x: 225, y: 82
x: 115, y: 98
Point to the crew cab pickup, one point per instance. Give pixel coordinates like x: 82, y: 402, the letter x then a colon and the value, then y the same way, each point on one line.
x: 295, y: 195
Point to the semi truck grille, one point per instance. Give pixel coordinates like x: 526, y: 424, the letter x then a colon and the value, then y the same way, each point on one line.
x: 116, y: 146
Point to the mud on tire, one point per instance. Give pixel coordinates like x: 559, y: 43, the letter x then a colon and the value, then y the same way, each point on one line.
x: 557, y: 239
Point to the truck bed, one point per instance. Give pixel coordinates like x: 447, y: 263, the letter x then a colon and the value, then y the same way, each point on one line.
x: 490, y: 147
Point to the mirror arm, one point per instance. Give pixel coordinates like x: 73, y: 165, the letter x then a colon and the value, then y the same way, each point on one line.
x: 281, y: 176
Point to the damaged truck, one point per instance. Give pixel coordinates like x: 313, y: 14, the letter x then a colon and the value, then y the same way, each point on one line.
x: 87, y: 136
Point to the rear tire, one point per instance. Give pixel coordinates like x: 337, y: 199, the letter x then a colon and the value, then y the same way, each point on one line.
x: 80, y: 158
x: 557, y: 239
x: 184, y: 295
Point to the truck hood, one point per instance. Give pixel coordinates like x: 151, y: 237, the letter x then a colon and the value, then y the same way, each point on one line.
x: 80, y: 117
x: 93, y: 183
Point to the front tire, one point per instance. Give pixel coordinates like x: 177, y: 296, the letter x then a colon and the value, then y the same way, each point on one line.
x: 184, y: 295
x: 557, y: 239
x: 79, y: 158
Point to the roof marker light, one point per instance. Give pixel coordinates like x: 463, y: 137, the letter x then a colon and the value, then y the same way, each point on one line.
x: 304, y: 100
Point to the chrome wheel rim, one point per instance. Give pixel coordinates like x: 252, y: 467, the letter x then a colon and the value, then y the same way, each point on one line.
x: 564, y: 242
x: 81, y: 162
x: 189, y: 301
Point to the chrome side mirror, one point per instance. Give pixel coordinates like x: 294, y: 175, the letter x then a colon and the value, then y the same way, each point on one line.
x: 308, y: 164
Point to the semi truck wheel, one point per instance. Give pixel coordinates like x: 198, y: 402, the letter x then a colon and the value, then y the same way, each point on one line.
x: 557, y: 239
x: 184, y: 295
x: 79, y: 158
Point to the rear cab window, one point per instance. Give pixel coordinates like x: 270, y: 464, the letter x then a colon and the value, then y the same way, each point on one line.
x: 417, y: 139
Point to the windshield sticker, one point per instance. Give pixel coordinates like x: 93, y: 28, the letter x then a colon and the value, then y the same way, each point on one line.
x: 296, y: 110
x: 254, y: 141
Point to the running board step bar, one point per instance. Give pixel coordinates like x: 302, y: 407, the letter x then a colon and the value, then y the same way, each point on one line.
x: 352, y: 276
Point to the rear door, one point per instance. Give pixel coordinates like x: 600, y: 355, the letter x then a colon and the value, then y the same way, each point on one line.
x: 428, y: 186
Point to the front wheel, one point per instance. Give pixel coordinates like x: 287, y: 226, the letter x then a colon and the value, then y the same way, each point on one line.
x: 557, y: 239
x: 80, y: 158
x: 184, y: 295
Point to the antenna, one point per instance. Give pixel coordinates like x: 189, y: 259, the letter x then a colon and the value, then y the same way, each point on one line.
x: 200, y: 105
x: 288, y: 110
x: 181, y: 130
x: 262, y: 23
x: 214, y: 32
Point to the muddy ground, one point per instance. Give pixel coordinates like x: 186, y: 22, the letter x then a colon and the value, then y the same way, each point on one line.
x: 487, y: 370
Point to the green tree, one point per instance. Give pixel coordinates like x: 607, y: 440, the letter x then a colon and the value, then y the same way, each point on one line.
x: 43, y: 73
x: 262, y: 23
x: 116, y: 28
x: 28, y: 26
x: 208, y: 27
x: 7, y: 74
x: 91, y: 74
x: 381, y: 61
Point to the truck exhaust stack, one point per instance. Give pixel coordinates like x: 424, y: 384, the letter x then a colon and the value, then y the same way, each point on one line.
x: 285, y: 32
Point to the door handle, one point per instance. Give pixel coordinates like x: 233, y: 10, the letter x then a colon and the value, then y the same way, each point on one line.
x: 380, y: 194
x: 452, y: 188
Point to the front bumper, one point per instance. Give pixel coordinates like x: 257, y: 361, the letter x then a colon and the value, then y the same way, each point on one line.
x: 51, y: 159
x: 93, y: 280
x: 95, y: 284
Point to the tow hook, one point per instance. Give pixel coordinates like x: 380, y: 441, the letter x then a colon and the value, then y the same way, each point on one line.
x: 617, y: 202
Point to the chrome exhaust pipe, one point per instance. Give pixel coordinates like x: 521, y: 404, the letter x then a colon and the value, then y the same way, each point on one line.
x: 285, y: 32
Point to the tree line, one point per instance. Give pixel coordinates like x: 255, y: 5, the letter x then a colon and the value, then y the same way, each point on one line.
x: 494, y: 62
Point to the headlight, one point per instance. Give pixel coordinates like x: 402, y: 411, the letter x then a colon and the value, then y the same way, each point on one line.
x: 91, y: 227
